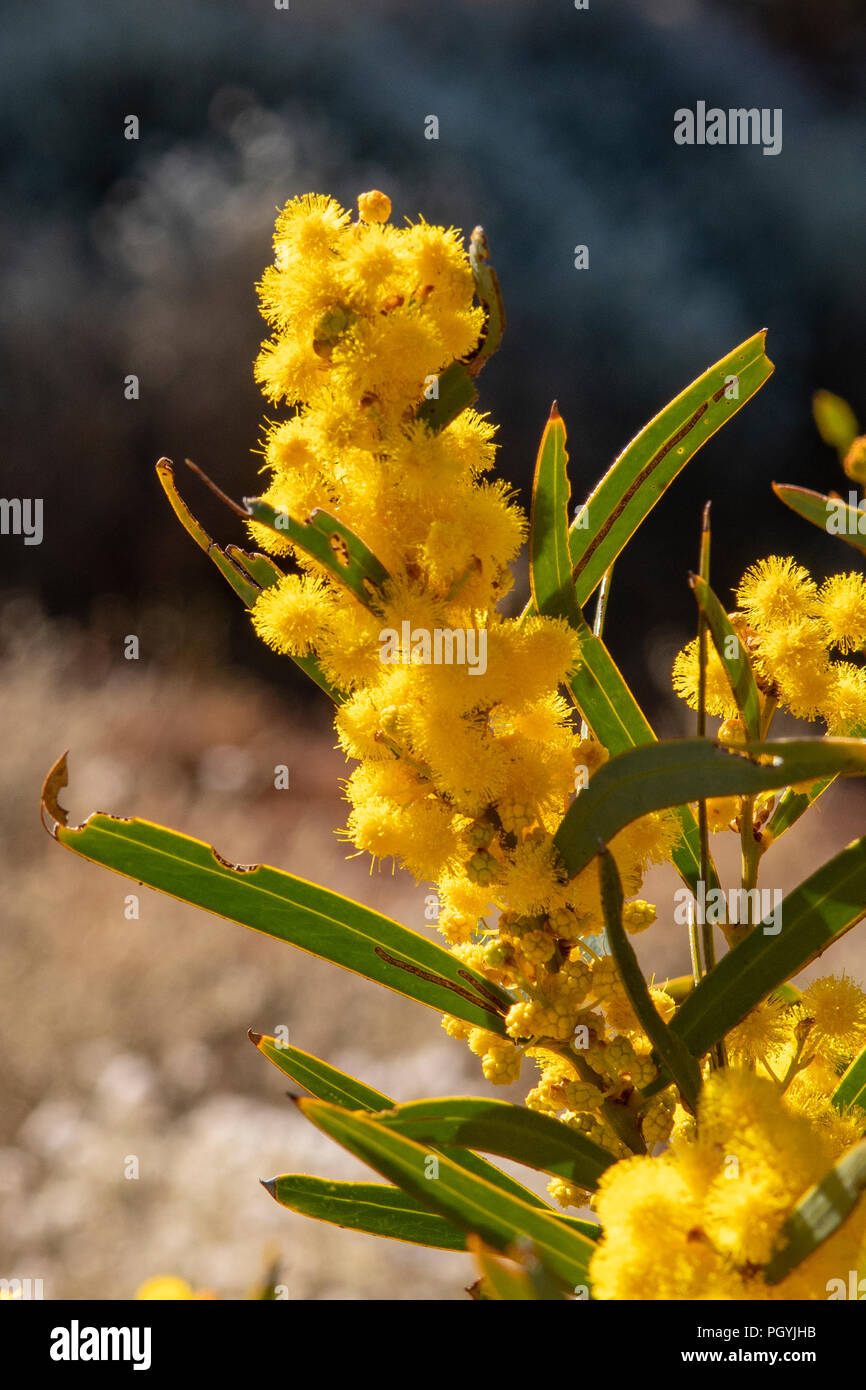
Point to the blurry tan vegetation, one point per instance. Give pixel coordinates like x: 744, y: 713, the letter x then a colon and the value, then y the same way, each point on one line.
x: 128, y: 1037
x: 125, y: 1037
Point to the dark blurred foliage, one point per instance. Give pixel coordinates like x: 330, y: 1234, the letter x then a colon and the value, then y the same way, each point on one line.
x: 556, y: 128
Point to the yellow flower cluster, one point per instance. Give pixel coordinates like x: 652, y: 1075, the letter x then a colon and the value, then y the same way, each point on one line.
x: 466, y: 767
x: 464, y: 772
x: 789, y: 627
x: 700, y: 1221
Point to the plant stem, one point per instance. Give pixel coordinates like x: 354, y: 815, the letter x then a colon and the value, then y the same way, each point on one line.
x: 703, y: 827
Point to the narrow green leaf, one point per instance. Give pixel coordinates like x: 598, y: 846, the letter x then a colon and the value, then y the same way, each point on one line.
x: 829, y: 514
x: 510, y: 1131
x: 328, y: 540
x: 247, y: 573
x: 819, y: 1213
x: 815, y: 914
x: 851, y: 1090
x: 791, y: 806
x: 456, y: 385
x: 374, y: 1207
x: 601, y: 694
x: 318, y: 1077
x: 283, y: 906
x: 733, y: 656
x: 793, y: 802
x: 669, y: 1049
x: 618, y: 722
x: 667, y: 774
x: 327, y: 1083
x: 490, y: 297
x: 836, y: 421
x: 238, y: 577
x: 261, y: 569
x: 468, y: 1201
x: 549, y: 558
x: 456, y: 391
x: 650, y: 463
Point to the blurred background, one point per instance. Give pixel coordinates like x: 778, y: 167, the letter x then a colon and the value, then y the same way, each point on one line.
x: 126, y: 1037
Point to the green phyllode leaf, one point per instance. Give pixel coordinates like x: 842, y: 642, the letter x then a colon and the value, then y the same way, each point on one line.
x: 509, y: 1131
x: 792, y: 804
x: 376, y: 1208
x: 333, y: 544
x: 248, y: 573
x: 283, y: 906
x: 819, y: 1213
x: 733, y: 656
x: 851, y: 1090
x: 549, y: 558
x: 471, y: 1203
x: 849, y: 523
x: 649, y: 464
x: 456, y: 385
x: 597, y: 685
x: 815, y: 914
x: 666, y: 774
x: 669, y: 1048
x: 327, y: 1083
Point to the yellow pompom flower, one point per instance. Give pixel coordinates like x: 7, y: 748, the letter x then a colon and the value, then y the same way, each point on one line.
x: 762, y: 1034
x: 700, y: 1221
x: 836, y: 1008
x: 776, y: 590
x: 291, y: 615
x: 795, y: 656
x: 844, y: 702
x: 686, y: 675
x: 842, y: 609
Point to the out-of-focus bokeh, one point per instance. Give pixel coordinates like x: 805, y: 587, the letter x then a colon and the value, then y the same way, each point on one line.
x: 125, y: 1037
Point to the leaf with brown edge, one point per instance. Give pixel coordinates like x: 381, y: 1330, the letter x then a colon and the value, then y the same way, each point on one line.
x: 283, y: 906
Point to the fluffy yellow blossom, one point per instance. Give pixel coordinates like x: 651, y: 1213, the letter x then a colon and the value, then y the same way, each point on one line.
x: 844, y: 704
x: 836, y: 1009
x: 842, y: 609
x: 719, y: 696
x: 699, y: 1221
x: 762, y: 1033
x: 775, y: 591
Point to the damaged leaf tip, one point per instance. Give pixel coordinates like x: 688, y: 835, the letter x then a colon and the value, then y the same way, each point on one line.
x: 57, y: 779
